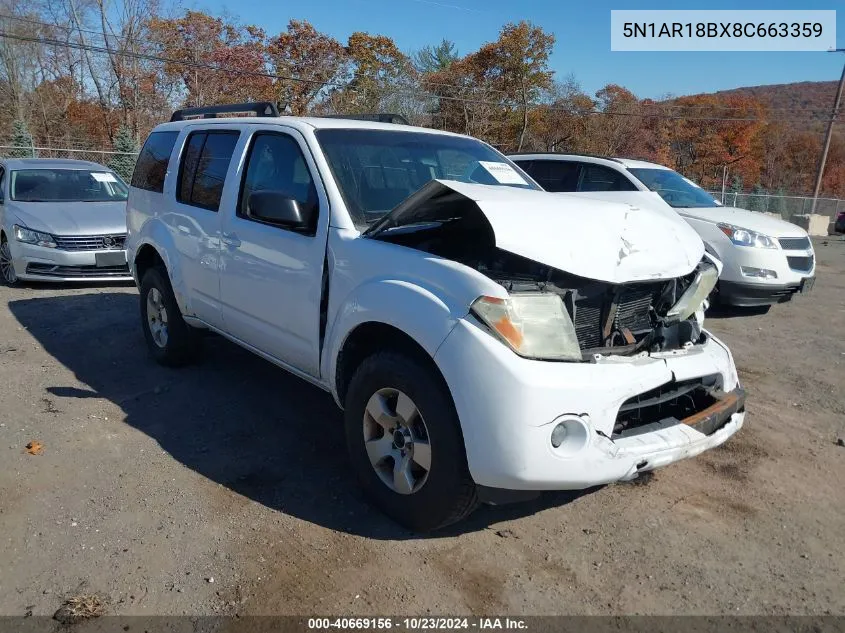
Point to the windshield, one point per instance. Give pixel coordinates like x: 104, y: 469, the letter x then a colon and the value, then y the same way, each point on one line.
x: 375, y: 170
x: 66, y: 185
x: 676, y: 191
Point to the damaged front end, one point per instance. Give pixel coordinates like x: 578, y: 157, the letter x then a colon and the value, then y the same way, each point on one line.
x: 649, y: 300
x: 604, y: 318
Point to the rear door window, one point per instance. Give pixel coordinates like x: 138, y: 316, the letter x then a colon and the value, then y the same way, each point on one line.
x: 553, y: 175
x: 153, y: 161
x: 202, y: 172
x: 601, y: 178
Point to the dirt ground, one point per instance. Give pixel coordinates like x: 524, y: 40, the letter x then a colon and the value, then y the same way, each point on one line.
x: 224, y: 488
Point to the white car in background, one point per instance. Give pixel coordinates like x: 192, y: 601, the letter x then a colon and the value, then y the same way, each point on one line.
x: 765, y: 260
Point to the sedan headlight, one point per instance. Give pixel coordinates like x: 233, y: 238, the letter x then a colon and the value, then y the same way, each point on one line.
x: 28, y: 236
x: 535, y: 325
x: 746, y: 237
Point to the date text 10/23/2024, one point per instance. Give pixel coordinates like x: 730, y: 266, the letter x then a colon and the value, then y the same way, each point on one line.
x: 417, y: 624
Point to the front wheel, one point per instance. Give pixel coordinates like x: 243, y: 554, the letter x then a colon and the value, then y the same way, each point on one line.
x: 405, y: 442
x: 171, y: 341
x: 7, y: 265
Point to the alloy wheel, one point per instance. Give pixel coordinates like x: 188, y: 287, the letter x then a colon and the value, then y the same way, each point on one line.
x: 157, y: 317
x: 397, y: 441
x: 7, y: 267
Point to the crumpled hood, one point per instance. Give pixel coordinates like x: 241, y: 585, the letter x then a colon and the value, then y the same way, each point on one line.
x: 72, y: 218
x: 753, y: 220
x: 605, y: 241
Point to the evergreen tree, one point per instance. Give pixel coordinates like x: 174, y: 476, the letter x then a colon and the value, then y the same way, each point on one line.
x: 22, y: 141
x: 757, y: 201
x: 124, y: 163
x: 736, y: 184
x: 433, y: 59
x: 778, y: 203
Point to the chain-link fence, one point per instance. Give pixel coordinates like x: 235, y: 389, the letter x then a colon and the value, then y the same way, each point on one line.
x: 786, y: 206
x: 104, y: 157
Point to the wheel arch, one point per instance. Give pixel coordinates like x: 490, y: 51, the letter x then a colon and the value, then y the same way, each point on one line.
x: 384, y: 311
x: 368, y: 338
x: 154, y: 249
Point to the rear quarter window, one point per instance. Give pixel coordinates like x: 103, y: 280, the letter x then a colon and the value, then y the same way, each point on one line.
x: 153, y: 161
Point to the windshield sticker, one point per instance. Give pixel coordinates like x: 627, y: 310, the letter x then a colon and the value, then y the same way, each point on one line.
x: 103, y: 176
x: 503, y: 173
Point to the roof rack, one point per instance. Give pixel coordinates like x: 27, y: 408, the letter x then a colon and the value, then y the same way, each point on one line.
x: 380, y: 117
x: 615, y: 160
x: 257, y: 108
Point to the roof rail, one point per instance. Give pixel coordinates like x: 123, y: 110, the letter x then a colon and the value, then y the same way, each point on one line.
x: 615, y: 160
x: 379, y: 117
x: 258, y: 108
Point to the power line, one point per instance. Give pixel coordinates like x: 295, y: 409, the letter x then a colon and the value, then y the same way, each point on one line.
x: 660, y: 106
x: 389, y: 91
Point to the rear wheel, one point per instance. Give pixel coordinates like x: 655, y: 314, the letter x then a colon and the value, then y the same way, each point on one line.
x: 171, y: 341
x: 7, y: 267
x: 405, y: 442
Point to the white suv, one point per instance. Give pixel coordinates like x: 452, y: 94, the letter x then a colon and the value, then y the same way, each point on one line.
x: 487, y: 340
x: 765, y: 260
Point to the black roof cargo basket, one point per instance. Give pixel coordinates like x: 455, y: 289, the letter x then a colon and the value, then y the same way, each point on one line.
x: 257, y: 108
x: 379, y: 117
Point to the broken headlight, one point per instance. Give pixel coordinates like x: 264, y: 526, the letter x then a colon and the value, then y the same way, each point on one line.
x: 695, y: 295
x: 535, y: 325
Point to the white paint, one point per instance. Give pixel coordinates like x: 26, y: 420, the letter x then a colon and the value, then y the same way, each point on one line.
x: 261, y: 286
x: 614, y: 242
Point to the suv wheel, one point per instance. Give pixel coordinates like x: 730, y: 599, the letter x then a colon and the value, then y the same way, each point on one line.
x: 7, y: 266
x: 405, y: 443
x: 171, y: 341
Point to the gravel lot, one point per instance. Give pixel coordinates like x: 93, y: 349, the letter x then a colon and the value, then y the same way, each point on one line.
x: 224, y: 488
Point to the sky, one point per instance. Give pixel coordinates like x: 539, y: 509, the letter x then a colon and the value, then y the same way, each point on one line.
x: 582, y: 29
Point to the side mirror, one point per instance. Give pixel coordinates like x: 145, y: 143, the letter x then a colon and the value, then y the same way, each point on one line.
x: 276, y: 207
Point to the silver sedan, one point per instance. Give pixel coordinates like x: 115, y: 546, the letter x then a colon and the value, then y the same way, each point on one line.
x: 61, y: 220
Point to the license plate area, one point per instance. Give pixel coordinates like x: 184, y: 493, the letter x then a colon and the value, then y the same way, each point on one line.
x: 807, y: 285
x: 106, y: 260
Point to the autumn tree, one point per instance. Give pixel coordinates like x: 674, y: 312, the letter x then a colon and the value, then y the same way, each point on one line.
x: 310, y: 63
x: 224, y: 62
x: 562, y: 122
x: 517, y: 65
x: 380, y: 74
x: 614, y: 131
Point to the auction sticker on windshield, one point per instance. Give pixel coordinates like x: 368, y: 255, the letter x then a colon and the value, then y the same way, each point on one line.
x: 503, y: 173
x: 102, y: 176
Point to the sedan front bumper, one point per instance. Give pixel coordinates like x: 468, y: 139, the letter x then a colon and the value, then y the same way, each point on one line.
x: 37, y: 263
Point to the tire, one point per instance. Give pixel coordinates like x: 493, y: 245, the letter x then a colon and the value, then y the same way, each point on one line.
x: 445, y: 493
x: 7, y: 269
x: 177, y: 343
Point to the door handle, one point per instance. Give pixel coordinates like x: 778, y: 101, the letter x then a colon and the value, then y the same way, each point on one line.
x: 230, y: 239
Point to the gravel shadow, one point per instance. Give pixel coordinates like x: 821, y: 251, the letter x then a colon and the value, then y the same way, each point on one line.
x: 233, y: 418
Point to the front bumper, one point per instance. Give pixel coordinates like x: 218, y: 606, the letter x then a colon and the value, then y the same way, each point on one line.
x: 508, y: 407
x: 746, y: 294
x: 37, y: 263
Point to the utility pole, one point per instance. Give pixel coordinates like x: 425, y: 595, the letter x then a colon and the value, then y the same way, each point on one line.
x: 837, y: 102
x: 725, y: 176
